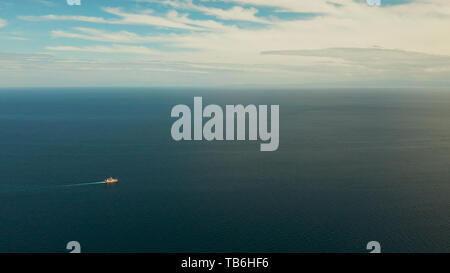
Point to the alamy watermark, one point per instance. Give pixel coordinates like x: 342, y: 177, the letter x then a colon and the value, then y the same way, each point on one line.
x: 235, y: 116
x: 74, y: 246
x: 374, y: 247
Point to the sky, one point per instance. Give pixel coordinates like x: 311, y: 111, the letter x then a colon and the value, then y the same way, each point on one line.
x: 225, y: 43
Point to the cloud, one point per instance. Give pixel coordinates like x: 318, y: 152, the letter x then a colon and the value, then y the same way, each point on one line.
x: 387, y: 61
x: 333, y: 47
x: 45, y: 3
x: 371, y: 56
x: 295, y: 5
x: 349, y: 25
x: 235, y: 13
x: 2, y: 22
x: 106, y: 49
x: 92, y: 34
x: 14, y: 38
x: 38, y: 68
x: 52, y: 17
x: 146, y: 19
x: 317, y: 68
x: 126, y: 19
x: 172, y: 20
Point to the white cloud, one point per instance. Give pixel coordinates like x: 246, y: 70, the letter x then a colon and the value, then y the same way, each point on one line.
x: 350, y: 24
x: 14, y: 38
x: 234, y: 53
x: 412, y: 27
x: 2, y: 22
x: 38, y: 68
x: 52, y: 17
x: 159, y: 70
x: 172, y: 20
x: 294, y: 5
x: 92, y: 34
x: 106, y: 49
x: 45, y: 3
x: 388, y: 62
x: 126, y: 19
x: 145, y: 19
x: 235, y: 13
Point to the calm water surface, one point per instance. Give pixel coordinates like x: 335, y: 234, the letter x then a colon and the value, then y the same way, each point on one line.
x: 352, y: 166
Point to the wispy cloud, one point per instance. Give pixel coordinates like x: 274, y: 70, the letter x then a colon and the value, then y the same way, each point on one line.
x: 235, y: 13
x: 45, y: 3
x: 93, y: 34
x: 36, y: 68
x: 376, y: 61
x: 295, y: 5
x: 172, y: 20
x: 2, y: 22
x: 225, y: 38
x: 106, y: 49
x: 52, y: 17
x: 146, y: 19
x: 10, y: 37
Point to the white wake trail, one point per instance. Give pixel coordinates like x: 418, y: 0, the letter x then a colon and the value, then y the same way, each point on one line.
x: 82, y: 184
x: 35, y: 188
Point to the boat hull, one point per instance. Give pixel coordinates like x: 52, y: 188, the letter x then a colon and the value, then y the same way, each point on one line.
x: 111, y: 180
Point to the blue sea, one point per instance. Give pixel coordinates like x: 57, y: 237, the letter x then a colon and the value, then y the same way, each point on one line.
x: 353, y: 166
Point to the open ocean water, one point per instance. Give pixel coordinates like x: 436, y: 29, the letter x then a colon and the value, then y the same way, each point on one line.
x: 353, y: 166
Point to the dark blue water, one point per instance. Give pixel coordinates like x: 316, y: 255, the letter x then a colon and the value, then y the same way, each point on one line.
x: 353, y: 166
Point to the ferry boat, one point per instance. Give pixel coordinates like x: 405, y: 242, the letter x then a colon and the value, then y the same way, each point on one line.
x: 111, y: 180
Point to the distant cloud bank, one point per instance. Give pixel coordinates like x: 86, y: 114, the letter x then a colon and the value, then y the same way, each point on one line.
x: 239, y: 42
